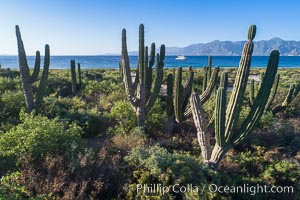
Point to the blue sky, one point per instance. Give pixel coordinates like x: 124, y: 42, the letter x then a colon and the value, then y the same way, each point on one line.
x: 90, y: 27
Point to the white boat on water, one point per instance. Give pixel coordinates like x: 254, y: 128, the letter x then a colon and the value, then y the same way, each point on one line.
x: 181, y: 57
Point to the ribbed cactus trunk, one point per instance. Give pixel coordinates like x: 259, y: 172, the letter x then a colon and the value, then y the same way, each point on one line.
x: 273, y: 92
x: 79, y: 75
x: 44, y: 79
x: 139, y: 93
x: 226, y: 116
x: 73, y: 77
x: 27, y: 79
x: 170, y: 106
x: 182, y: 93
x: 251, y: 92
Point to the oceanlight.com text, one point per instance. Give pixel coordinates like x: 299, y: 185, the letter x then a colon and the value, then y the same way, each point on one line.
x: 213, y: 188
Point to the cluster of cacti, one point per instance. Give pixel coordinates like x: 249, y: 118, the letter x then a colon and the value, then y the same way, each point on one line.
x: 27, y: 79
x: 293, y: 92
x: 182, y: 93
x: 208, y: 91
x: 226, y: 116
x: 139, y: 93
x: 75, y: 86
x: 291, y: 95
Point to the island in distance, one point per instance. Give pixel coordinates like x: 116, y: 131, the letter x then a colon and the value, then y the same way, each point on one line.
x: 229, y: 48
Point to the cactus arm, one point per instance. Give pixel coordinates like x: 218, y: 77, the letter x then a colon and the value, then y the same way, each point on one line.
x: 36, y: 69
x: 149, y: 78
x: 221, y: 146
x: 44, y: 79
x: 224, y: 80
x: 273, y: 91
x: 209, y: 66
x: 223, y: 84
x: 147, y: 73
x: 126, y: 68
x: 187, y: 89
x: 203, y: 134
x: 236, y: 98
x: 24, y: 71
x: 152, y: 55
x: 73, y: 76
x: 178, y: 98
x: 141, y: 66
x: 205, y: 77
x: 140, y: 108
x: 211, y: 84
x: 220, y: 110
x: 79, y: 75
x: 206, y: 94
x: 159, y: 78
x: 260, y: 102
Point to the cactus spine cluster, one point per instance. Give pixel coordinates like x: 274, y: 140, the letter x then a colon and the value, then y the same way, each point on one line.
x: 170, y: 106
x: 226, y: 116
x: 139, y: 93
x: 27, y: 79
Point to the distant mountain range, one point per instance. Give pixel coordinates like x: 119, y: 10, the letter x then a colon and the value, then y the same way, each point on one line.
x: 229, y: 48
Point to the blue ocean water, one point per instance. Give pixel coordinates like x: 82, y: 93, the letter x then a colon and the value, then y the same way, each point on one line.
x: 62, y: 62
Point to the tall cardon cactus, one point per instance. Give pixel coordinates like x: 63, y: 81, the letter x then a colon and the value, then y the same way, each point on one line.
x: 27, y: 79
x: 75, y: 86
x: 140, y: 93
x: 226, y: 116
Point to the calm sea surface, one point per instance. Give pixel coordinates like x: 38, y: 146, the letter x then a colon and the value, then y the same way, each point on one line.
x: 61, y: 62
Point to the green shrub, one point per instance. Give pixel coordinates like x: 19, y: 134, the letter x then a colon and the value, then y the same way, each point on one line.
x: 282, y: 173
x: 11, y: 103
x: 156, y: 118
x: 155, y: 165
x: 7, y: 84
x: 37, y: 137
x: 11, y: 189
x: 266, y: 121
x: 104, y: 87
x: 123, y: 117
x: 75, y: 110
